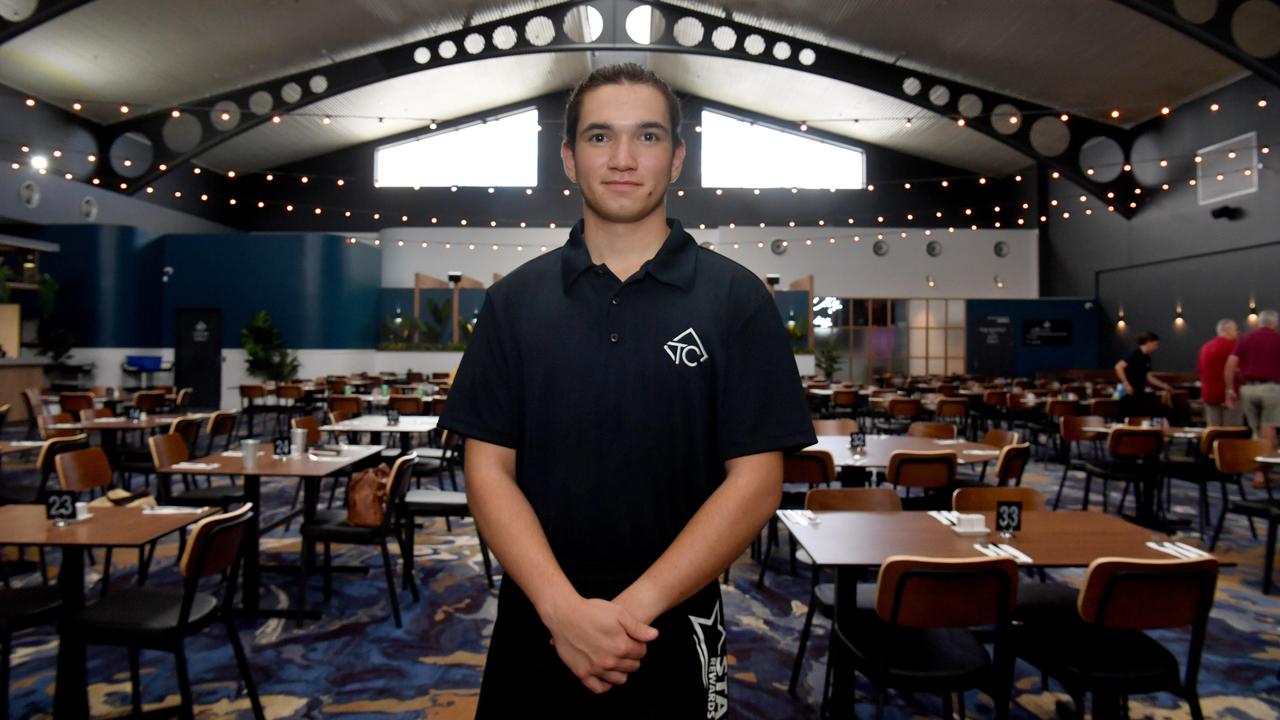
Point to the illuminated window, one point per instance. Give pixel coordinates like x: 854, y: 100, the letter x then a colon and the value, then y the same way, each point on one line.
x: 742, y: 155
x: 499, y: 153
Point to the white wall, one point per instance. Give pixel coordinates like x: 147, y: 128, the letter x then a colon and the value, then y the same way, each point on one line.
x: 967, y: 267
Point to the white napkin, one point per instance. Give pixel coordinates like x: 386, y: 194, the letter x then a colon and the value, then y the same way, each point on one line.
x: 980, y: 452
x: 949, y: 442
x: 318, y: 458
x: 232, y: 453
x: 187, y: 465
x: 172, y: 510
x: 27, y: 443
x: 1182, y: 551
x: 1003, y: 550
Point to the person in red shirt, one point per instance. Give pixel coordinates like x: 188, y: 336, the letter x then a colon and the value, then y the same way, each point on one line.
x: 1212, y: 367
x: 1256, y: 361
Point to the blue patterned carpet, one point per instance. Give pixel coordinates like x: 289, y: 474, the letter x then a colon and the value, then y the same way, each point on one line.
x: 354, y: 663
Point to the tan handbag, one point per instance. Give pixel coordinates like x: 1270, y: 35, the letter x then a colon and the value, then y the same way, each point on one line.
x: 367, y: 496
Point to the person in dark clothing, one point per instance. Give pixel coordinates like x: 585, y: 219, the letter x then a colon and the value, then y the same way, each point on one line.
x: 626, y: 401
x: 1134, y: 373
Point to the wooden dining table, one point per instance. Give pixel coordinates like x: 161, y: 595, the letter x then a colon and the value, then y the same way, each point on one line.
x: 307, y: 468
x: 378, y: 424
x: 110, y: 527
x: 879, y: 448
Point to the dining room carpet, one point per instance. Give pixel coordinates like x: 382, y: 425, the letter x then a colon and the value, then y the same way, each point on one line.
x: 354, y: 663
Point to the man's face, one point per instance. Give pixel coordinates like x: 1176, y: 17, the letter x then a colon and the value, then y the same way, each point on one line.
x: 1151, y: 347
x: 1231, y: 331
x: 623, y: 160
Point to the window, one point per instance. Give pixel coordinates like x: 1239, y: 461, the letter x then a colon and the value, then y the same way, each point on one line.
x: 737, y: 154
x: 502, y: 152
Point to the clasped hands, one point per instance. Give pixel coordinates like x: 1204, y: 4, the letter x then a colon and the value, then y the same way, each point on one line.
x: 600, y: 641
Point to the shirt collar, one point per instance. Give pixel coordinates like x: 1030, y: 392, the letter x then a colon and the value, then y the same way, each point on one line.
x: 674, y: 264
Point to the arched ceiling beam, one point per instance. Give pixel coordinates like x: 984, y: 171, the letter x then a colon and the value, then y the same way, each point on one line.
x: 44, y: 11
x: 599, y: 25
x: 1246, y: 31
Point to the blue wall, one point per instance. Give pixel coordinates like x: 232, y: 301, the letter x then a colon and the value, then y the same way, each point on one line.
x: 1082, y: 313
x: 110, y: 284
x: 319, y: 290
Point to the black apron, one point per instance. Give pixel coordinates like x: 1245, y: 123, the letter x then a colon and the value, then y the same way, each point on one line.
x: 683, y: 674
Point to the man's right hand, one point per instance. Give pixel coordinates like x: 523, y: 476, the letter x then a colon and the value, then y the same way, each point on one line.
x: 600, y: 641
x: 1128, y: 389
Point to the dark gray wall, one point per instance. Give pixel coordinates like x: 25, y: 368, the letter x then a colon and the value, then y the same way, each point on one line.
x: 1173, y: 252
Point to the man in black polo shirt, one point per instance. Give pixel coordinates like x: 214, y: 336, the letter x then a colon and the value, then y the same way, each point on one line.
x: 626, y: 399
x: 1134, y: 372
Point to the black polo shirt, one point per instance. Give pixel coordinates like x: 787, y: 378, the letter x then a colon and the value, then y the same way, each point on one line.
x: 1136, y: 366
x: 623, y: 400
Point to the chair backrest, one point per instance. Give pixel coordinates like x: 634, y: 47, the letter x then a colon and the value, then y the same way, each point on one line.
x: 148, y: 400
x: 1012, y: 462
x: 814, y: 467
x: 401, y: 472
x: 250, y: 393
x: 1124, y: 593
x: 188, y: 428
x: 214, y: 543
x: 405, y: 404
x: 837, y: 426
x: 854, y: 499
x: 414, y: 377
x: 1072, y: 427
x: 1135, y: 442
x: 437, y: 404
x: 946, y: 593
x: 335, y: 385
x: 31, y: 398
x: 1105, y: 407
x: 44, y: 421
x: 290, y: 391
x: 1061, y: 408
x: 183, y: 400
x: 901, y: 407
x: 337, y: 416
x: 168, y: 449
x: 938, y: 431
x: 995, y: 398
x: 347, y: 403
x: 91, y: 414
x: 952, y: 407
x: 81, y: 470
x: 74, y: 402
x: 1233, y: 456
x: 310, y: 424
x: 948, y: 390
x: 928, y: 469
x: 1214, y: 433
x: 1000, y: 438
x: 221, y: 424
x: 984, y: 499
x: 52, y: 448
x: 844, y: 398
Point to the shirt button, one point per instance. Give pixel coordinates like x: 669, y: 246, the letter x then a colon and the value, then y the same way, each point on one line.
x: 613, y: 301
x: 600, y: 271
x: 613, y: 337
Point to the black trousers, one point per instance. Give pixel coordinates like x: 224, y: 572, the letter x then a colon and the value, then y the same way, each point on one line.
x: 683, y: 674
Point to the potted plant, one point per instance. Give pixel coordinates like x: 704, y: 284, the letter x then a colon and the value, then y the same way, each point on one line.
x: 268, y: 358
x: 828, y: 358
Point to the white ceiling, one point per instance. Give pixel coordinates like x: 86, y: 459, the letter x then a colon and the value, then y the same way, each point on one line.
x: 1083, y: 56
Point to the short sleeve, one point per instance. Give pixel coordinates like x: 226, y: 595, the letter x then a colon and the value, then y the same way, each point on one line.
x: 484, y: 399
x: 760, y: 403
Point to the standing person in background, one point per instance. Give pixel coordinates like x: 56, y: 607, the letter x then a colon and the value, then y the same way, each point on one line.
x: 1256, y: 361
x: 1134, y: 372
x: 1212, y: 368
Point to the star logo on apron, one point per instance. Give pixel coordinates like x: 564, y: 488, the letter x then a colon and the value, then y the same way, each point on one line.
x: 708, y: 635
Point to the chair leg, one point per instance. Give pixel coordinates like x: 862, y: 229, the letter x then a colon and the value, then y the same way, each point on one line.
x: 303, y: 567
x: 135, y: 680
x: 804, y: 635
x: 1240, y: 487
x: 106, y: 574
x: 328, y: 572
x: 406, y: 563
x: 770, y: 538
x: 297, y: 493
x: 1269, y: 560
x: 484, y: 554
x: 1193, y: 705
x: 1088, y: 487
x: 1066, y: 468
x: 242, y: 661
x: 6, y: 643
x: 391, y: 583
x: 184, y: 682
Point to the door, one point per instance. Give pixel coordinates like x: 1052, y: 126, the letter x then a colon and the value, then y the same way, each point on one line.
x: 991, y: 346
x: 197, y: 352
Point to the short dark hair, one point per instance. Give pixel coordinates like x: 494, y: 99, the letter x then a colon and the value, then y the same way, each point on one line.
x: 1147, y: 337
x: 620, y: 74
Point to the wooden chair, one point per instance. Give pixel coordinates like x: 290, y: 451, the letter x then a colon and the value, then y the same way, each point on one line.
x: 1103, y: 648
x: 1235, y: 458
x: 182, y: 401
x: 1199, y: 469
x: 34, y: 404
x: 822, y: 596
x: 253, y: 399
x: 984, y: 499
x: 953, y: 410
x: 845, y: 401
x: 162, y: 619
x: 149, y: 401
x: 1012, y: 463
x: 88, y: 471
x: 172, y: 448
x: 919, y: 636
x: 1133, y: 456
x: 900, y: 412
x: 73, y: 402
x: 22, y: 609
x: 1105, y: 408
x: 935, y: 430
x: 933, y: 471
x: 411, y: 377
x: 406, y: 404
x: 807, y: 468
x: 347, y: 403
x: 90, y: 414
x: 835, y: 426
x: 440, y: 503
x: 44, y: 423
x: 330, y: 527
x: 1074, y: 440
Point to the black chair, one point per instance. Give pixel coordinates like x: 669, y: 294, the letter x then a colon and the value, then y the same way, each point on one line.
x: 22, y: 609
x: 801, y: 472
x: 1133, y: 458
x: 1100, y: 646
x: 330, y: 526
x: 438, y: 503
x: 161, y: 619
x: 919, y: 637
x: 1198, y: 468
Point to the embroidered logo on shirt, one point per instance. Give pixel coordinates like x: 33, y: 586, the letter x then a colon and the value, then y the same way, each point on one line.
x: 708, y: 635
x: 686, y: 349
